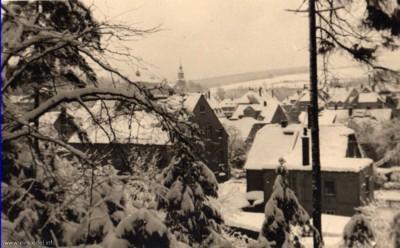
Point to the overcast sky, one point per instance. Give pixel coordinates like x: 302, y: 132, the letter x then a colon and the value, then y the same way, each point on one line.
x: 214, y: 37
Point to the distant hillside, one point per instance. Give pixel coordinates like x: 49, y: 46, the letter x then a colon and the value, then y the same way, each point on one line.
x: 248, y: 76
x: 276, y: 76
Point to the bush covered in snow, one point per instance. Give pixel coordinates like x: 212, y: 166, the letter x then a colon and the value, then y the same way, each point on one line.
x: 358, y: 232
x: 380, y: 220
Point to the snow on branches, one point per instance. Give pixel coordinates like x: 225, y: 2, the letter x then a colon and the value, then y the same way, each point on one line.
x: 282, y: 211
x: 358, y: 232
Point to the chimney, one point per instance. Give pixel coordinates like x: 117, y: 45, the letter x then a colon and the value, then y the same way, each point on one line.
x: 305, y: 144
x: 260, y: 91
x: 272, y: 93
x: 350, y: 111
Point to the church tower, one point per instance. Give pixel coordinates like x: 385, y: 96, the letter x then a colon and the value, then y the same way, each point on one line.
x: 180, y: 85
x: 181, y: 74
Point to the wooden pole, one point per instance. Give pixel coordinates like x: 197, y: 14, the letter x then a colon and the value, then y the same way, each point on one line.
x: 313, y: 118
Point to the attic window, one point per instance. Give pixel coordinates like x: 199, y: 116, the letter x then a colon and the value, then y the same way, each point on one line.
x: 202, y: 109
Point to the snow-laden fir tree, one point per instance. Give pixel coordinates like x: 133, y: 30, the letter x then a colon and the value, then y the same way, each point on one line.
x: 190, y: 216
x: 282, y: 211
x: 358, y: 233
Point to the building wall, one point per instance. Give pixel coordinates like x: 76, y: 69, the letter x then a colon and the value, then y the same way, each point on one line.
x: 279, y: 116
x: 350, y: 188
x: 369, y: 105
x: 214, y: 134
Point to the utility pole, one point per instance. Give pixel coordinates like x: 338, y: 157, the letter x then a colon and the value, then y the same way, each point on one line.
x: 313, y: 118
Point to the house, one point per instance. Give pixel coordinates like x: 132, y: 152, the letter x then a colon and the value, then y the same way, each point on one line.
x: 368, y: 100
x: 300, y: 102
x: 268, y: 112
x: 250, y: 97
x: 339, y: 98
x: 117, y: 136
x: 228, y: 107
x: 347, y: 177
x: 216, y: 106
x: 344, y: 116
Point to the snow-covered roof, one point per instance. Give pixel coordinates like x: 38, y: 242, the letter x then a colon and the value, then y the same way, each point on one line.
x: 239, y: 111
x: 186, y: 101
x: 330, y: 116
x: 337, y: 94
x: 243, y: 125
x: 227, y: 103
x: 270, y: 142
x: 191, y: 101
x: 273, y: 142
x: 214, y: 103
x: 304, y: 97
x: 370, y: 97
x: 143, y: 128
x: 249, y: 97
x: 268, y: 112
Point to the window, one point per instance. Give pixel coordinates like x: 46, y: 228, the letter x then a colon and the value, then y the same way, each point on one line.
x: 202, y: 109
x: 329, y: 188
x: 220, y: 133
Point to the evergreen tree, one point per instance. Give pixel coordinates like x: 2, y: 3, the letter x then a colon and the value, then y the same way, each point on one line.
x: 60, y: 63
x: 281, y: 211
x: 358, y: 232
x: 189, y: 214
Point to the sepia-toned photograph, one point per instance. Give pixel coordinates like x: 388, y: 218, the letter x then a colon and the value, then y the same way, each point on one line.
x: 200, y: 123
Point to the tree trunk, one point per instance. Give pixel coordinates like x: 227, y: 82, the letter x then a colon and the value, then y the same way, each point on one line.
x: 313, y: 118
